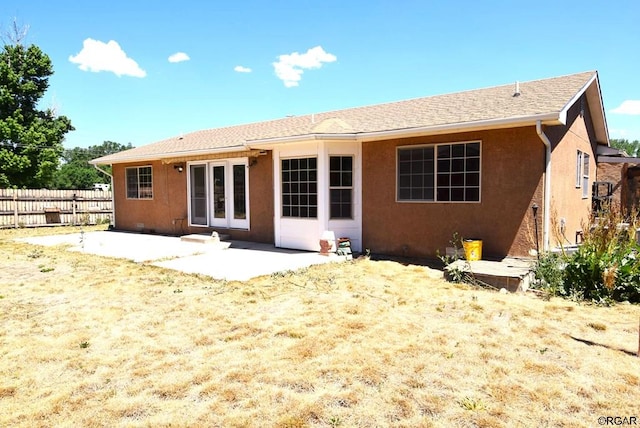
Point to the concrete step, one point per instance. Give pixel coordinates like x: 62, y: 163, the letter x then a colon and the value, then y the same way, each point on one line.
x: 205, y: 239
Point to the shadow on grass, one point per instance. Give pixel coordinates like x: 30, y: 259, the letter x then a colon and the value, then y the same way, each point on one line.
x: 602, y: 345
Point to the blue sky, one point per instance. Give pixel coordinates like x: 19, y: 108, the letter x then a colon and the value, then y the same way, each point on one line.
x: 246, y: 61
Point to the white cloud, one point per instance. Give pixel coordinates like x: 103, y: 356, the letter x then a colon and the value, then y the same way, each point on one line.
x: 618, y: 133
x: 628, y: 107
x: 179, y: 57
x: 289, y: 68
x: 98, y: 56
x: 241, y: 69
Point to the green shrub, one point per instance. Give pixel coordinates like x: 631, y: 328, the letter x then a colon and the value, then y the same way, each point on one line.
x: 627, y: 283
x: 606, y: 265
x: 605, y: 268
x: 549, y: 273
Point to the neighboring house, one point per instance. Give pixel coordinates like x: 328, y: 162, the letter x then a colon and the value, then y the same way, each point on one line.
x: 399, y: 178
x: 618, y: 182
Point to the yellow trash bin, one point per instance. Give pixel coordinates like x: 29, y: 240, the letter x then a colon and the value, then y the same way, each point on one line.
x: 472, y: 249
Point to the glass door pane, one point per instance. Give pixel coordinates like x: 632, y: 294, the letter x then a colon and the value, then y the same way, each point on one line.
x: 219, y: 205
x: 198, y: 174
x: 239, y: 193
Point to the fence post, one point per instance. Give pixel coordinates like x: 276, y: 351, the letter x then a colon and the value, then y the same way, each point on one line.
x: 15, y: 208
x: 73, y: 203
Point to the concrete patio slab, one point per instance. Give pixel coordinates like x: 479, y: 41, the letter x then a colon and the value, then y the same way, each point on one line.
x: 245, y: 260
x: 132, y: 246
x: 234, y: 260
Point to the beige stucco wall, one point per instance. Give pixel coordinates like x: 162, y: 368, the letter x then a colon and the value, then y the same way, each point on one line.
x: 567, y: 202
x: 167, y: 212
x: 164, y: 213
x: 512, y: 179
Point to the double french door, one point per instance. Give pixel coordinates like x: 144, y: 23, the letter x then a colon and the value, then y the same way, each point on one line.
x: 218, y: 193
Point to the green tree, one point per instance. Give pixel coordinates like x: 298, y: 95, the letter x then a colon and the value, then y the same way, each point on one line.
x: 30, y: 139
x: 632, y: 148
x: 76, y: 172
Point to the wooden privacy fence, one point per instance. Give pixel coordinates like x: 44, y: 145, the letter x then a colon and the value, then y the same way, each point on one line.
x: 43, y: 207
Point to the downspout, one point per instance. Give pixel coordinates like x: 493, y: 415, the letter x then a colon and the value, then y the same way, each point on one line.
x: 546, y: 212
x: 113, y: 195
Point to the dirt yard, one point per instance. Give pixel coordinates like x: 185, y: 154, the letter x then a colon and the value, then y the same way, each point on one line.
x: 97, y: 342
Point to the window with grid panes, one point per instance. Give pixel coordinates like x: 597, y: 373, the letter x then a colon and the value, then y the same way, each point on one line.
x: 139, y: 182
x: 300, y: 187
x: 340, y: 187
x: 439, y: 173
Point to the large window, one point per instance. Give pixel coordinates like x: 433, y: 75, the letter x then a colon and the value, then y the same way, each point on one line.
x: 341, y: 186
x: 300, y: 188
x: 139, y: 183
x: 439, y: 173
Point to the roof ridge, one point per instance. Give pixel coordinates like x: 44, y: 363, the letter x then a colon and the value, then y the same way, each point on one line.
x: 383, y: 104
x: 464, y: 91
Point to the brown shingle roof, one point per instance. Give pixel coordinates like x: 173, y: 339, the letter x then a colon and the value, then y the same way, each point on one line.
x: 537, y: 98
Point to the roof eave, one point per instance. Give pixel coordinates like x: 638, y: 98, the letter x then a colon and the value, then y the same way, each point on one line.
x: 594, y: 99
x: 183, y: 153
x: 618, y: 159
x: 513, y: 122
x: 595, y: 96
x: 481, y: 125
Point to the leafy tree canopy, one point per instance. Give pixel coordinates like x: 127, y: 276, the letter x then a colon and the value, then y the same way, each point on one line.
x: 632, y: 148
x: 30, y: 139
x: 77, y: 173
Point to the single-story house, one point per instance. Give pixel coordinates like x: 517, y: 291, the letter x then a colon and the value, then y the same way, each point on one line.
x: 400, y: 178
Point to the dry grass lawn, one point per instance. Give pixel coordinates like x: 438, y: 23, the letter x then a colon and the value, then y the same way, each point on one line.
x: 92, y: 341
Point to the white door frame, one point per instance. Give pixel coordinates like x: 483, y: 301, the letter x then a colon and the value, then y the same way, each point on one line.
x: 228, y: 199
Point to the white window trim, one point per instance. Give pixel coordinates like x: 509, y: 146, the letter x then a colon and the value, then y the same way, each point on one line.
x: 126, y: 182
x: 435, y: 187
x: 582, y: 179
x: 579, y: 169
x: 342, y: 187
x: 206, y: 185
x: 585, y: 177
x: 309, y: 231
